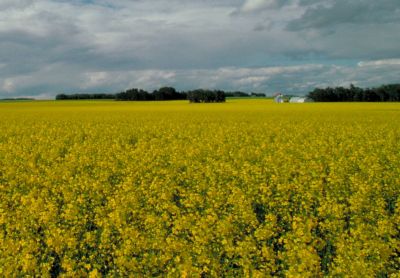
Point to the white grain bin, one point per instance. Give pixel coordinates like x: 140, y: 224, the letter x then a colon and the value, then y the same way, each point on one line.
x: 300, y: 100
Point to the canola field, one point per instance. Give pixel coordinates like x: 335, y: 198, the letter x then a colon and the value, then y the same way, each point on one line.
x: 246, y: 188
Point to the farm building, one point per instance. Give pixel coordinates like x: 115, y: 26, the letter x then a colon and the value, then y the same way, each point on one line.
x: 278, y: 98
x: 300, y: 100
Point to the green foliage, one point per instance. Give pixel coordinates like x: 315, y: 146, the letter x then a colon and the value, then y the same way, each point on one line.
x: 384, y: 93
x: 236, y: 94
x: 168, y: 93
x: 202, y: 95
x: 84, y: 96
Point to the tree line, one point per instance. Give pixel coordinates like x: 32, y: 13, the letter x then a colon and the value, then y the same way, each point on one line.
x: 163, y: 93
x: 202, y: 95
x: 384, y: 93
x: 16, y: 99
x: 84, y: 96
x: 243, y: 94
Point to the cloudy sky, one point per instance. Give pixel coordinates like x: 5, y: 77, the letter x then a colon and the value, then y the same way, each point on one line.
x: 66, y: 46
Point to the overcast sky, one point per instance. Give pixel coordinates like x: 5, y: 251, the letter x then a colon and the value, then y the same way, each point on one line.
x: 67, y: 46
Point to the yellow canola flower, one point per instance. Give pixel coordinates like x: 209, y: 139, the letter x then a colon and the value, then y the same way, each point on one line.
x: 247, y: 188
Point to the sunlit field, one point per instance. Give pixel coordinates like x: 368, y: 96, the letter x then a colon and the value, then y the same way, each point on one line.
x: 246, y: 188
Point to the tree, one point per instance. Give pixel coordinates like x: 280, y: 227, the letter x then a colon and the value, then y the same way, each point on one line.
x: 389, y: 92
x: 201, y: 95
x: 168, y: 93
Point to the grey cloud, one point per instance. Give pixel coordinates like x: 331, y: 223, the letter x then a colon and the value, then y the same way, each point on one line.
x: 15, y: 4
x: 256, y: 6
x: 123, y: 39
x: 362, y: 42
x: 49, y: 46
x: 298, y: 79
x: 347, y: 12
x: 380, y: 63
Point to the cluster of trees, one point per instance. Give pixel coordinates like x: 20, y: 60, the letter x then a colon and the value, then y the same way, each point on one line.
x: 389, y: 92
x: 164, y: 93
x: 17, y: 98
x: 236, y: 94
x: 257, y: 94
x: 202, y: 95
x: 243, y: 94
x: 84, y: 96
x: 169, y: 93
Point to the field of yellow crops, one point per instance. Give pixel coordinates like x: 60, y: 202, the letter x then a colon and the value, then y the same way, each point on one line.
x: 242, y: 188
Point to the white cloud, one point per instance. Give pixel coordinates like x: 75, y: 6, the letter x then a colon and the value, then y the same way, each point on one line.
x: 254, y: 5
x: 380, y: 63
x: 95, y: 79
x: 298, y: 79
x: 15, y: 4
x: 53, y: 46
x: 8, y: 85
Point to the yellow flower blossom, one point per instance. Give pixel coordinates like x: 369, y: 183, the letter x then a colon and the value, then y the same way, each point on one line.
x: 246, y: 188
